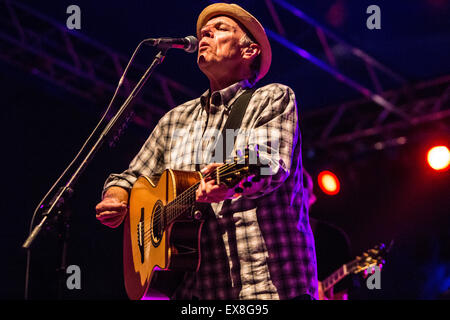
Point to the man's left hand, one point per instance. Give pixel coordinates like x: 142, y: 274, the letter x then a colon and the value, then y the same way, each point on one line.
x: 209, y: 191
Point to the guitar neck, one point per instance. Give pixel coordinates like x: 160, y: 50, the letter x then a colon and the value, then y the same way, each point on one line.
x: 370, y: 258
x: 335, y: 277
x: 225, y: 173
x: 180, y: 204
x: 340, y: 274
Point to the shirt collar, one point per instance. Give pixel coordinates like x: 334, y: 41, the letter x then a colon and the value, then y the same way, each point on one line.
x: 224, y: 97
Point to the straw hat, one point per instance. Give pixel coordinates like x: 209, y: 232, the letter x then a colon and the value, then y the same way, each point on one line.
x: 248, y: 21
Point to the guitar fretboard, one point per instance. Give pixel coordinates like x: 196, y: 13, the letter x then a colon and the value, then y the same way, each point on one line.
x: 339, y: 274
x: 369, y: 259
x: 334, y: 278
x: 180, y: 204
x: 186, y: 200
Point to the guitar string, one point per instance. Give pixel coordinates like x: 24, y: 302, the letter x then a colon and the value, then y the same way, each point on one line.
x: 183, y: 197
x: 172, y: 211
x: 181, y: 200
x: 180, y: 203
x: 187, y: 194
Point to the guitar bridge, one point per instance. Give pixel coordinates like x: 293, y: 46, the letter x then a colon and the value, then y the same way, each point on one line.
x: 141, y: 235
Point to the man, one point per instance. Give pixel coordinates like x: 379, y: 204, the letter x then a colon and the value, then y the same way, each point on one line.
x: 250, y: 246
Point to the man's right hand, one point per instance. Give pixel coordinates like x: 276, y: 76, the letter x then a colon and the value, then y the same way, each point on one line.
x: 112, y: 210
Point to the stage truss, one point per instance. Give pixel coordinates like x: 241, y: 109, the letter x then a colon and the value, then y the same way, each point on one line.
x: 382, y: 118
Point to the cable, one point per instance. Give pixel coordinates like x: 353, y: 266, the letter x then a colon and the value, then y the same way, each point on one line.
x: 39, y: 206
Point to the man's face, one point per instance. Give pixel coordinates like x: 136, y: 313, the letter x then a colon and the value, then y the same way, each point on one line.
x: 219, y: 44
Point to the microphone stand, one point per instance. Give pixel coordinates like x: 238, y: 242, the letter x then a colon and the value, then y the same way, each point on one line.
x: 56, y: 208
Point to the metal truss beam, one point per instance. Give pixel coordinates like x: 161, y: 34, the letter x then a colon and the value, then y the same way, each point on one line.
x: 45, y: 48
x: 362, y: 124
x: 375, y: 71
x: 82, y: 66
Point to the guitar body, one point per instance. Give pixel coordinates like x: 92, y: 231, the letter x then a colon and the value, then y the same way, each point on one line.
x: 156, y: 254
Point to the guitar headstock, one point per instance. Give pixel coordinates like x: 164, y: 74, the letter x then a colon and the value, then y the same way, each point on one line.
x: 370, y: 258
x: 246, y: 164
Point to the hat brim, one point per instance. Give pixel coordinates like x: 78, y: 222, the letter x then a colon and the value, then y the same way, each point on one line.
x: 248, y: 21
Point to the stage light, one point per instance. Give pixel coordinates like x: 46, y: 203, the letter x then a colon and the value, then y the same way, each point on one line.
x: 329, y: 183
x: 438, y: 158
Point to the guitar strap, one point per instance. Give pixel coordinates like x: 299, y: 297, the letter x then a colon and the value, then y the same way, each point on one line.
x: 234, y: 121
x: 168, y: 282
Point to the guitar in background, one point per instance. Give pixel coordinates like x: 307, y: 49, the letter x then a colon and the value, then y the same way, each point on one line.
x: 370, y: 258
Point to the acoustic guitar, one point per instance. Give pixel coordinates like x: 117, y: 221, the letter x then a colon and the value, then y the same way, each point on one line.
x: 163, y: 227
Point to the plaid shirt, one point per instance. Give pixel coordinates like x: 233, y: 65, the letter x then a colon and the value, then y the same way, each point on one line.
x: 258, y: 246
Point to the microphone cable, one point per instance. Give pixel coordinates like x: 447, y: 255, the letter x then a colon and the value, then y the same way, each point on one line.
x: 28, y: 262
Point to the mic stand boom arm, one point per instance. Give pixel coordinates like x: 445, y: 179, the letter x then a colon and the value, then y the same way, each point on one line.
x: 59, y: 199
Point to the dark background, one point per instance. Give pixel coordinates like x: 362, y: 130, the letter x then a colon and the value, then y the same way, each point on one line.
x: 389, y: 195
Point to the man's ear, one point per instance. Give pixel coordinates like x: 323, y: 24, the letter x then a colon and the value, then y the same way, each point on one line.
x: 253, y: 50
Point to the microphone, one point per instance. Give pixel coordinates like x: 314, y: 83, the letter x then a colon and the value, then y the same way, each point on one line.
x: 188, y: 44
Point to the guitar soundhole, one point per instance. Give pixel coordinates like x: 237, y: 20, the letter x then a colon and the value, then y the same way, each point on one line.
x: 157, y: 223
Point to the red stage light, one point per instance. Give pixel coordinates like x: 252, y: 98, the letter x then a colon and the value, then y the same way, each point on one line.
x: 329, y: 183
x: 438, y: 158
